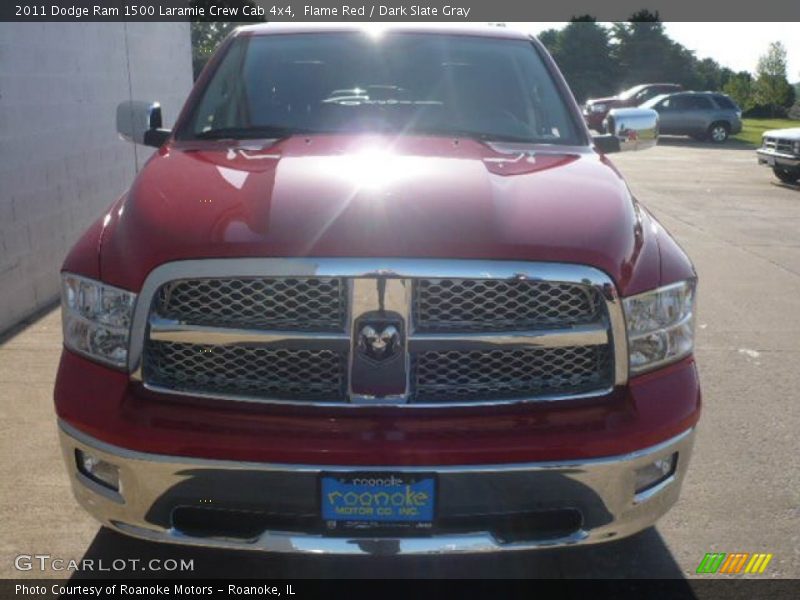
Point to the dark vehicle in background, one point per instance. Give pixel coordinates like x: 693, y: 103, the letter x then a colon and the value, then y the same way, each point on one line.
x: 780, y: 149
x: 702, y: 115
x: 596, y: 110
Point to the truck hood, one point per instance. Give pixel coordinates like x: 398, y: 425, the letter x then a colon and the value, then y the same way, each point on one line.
x: 356, y: 196
x: 793, y: 133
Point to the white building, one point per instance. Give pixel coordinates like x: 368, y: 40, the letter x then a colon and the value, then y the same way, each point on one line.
x: 61, y: 161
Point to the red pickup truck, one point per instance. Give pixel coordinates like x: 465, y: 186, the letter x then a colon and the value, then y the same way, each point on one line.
x: 596, y: 109
x: 378, y: 292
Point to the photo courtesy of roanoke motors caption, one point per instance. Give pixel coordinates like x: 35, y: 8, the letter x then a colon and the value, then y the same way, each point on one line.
x: 296, y: 292
x: 148, y: 590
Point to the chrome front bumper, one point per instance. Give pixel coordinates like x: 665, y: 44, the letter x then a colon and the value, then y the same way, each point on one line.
x: 153, y: 486
x: 772, y: 158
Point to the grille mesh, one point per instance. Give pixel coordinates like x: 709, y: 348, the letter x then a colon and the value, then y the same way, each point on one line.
x: 317, y: 304
x: 307, y: 372
x: 250, y: 371
x: 525, y: 372
x: 501, y: 305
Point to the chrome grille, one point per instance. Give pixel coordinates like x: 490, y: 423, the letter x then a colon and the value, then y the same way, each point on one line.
x: 291, y: 330
x: 501, y: 305
x: 317, y: 304
x: 515, y: 373
x: 781, y: 145
x: 248, y: 371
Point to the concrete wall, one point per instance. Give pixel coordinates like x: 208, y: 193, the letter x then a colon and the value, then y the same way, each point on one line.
x: 61, y: 161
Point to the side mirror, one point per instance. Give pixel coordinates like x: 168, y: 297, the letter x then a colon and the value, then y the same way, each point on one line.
x: 140, y: 122
x: 606, y: 144
x: 633, y: 128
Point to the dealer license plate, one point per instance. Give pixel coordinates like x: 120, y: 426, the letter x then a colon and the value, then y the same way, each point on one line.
x: 378, y: 500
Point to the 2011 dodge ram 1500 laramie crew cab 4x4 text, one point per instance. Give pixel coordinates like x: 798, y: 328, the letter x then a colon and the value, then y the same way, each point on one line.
x: 378, y: 292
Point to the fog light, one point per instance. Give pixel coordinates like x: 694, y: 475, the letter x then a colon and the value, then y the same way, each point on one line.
x: 654, y: 473
x: 99, y: 471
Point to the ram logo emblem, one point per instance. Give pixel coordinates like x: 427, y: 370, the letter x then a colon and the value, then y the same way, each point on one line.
x: 379, y: 344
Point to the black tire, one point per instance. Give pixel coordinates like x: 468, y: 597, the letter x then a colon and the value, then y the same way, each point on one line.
x: 787, y: 175
x: 718, y: 132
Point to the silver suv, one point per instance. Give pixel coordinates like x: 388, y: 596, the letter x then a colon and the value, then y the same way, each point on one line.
x: 703, y: 115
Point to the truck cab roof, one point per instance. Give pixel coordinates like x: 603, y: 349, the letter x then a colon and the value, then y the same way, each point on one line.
x: 467, y: 29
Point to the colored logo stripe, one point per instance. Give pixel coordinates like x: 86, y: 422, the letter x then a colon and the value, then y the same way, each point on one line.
x: 734, y: 562
x: 758, y: 563
x: 711, y: 562
x: 721, y: 562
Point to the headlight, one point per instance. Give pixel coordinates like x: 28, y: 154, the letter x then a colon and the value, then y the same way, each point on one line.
x: 598, y: 108
x: 797, y: 147
x: 96, y: 319
x: 660, y: 326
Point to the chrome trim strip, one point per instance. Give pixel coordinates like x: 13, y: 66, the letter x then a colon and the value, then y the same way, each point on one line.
x: 619, y: 333
x: 303, y: 543
x: 158, y: 389
x: 772, y: 152
x: 167, y: 330
x: 210, y: 463
x: 763, y: 155
x: 595, y: 334
x: 389, y: 269
x: 361, y: 401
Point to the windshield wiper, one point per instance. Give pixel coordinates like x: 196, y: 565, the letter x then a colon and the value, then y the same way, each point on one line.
x: 249, y: 133
x: 281, y: 132
x: 482, y: 136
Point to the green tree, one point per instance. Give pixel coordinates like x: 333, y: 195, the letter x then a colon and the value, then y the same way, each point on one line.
x: 582, y: 50
x: 207, y: 33
x: 771, y: 88
x: 794, y: 111
x: 633, y: 38
x: 206, y: 36
x: 711, y: 75
x: 549, y: 38
x: 740, y: 88
x: 646, y: 54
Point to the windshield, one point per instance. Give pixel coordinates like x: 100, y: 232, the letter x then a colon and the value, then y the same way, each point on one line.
x: 631, y: 92
x: 277, y: 85
x: 653, y: 101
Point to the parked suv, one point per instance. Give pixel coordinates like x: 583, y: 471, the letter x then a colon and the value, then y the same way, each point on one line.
x: 596, y: 109
x: 378, y: 294
x: 702, y: 115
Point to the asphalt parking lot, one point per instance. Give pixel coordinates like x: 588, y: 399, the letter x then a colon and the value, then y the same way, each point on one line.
x: 742, y: 494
